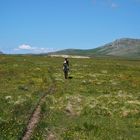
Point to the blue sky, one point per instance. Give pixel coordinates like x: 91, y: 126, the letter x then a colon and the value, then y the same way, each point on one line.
x: 48, y: 25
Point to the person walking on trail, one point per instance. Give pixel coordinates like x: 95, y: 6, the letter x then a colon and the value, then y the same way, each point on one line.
x: 66, y: 68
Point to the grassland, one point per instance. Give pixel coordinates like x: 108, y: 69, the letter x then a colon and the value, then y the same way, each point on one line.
x: 101, y: 101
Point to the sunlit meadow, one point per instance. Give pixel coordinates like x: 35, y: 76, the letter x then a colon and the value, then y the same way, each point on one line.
x: 100, y: 101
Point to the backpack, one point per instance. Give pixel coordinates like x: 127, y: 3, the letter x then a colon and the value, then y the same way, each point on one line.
x: 65, y: 67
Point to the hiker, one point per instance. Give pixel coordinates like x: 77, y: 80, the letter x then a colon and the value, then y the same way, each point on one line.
x: 66, y: 68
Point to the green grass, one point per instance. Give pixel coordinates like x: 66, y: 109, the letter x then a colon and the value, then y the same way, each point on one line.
x: 101, y: 101
x: 21, y: 85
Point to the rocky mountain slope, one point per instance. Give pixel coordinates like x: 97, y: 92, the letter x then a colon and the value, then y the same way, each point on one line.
x: 124, y: 47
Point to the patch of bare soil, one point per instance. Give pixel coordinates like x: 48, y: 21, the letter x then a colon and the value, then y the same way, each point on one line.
x: 35, y: 117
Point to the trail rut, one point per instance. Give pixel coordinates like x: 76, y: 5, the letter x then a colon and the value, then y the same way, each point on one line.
x: 35, y: 116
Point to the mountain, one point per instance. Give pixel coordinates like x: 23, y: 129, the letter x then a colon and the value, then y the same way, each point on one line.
x: 1, y: 52
x: 125, y: 47
x: 122, y: 47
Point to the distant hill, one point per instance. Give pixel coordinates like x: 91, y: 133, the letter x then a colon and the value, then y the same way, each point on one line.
x: 1, y: 52
x: 124, y: 47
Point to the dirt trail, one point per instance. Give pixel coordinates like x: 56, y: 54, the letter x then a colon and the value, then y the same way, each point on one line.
x: 35, y: 117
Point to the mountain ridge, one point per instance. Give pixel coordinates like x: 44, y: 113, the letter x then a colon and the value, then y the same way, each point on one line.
x: 124, y: 47
x: 1, y: 52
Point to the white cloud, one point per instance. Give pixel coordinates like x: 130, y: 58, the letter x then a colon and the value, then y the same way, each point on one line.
x: 114, y: 5
x: 109, y: 3
x: 25, y: 48
x: 94, y: 1
x: 42, y: 50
